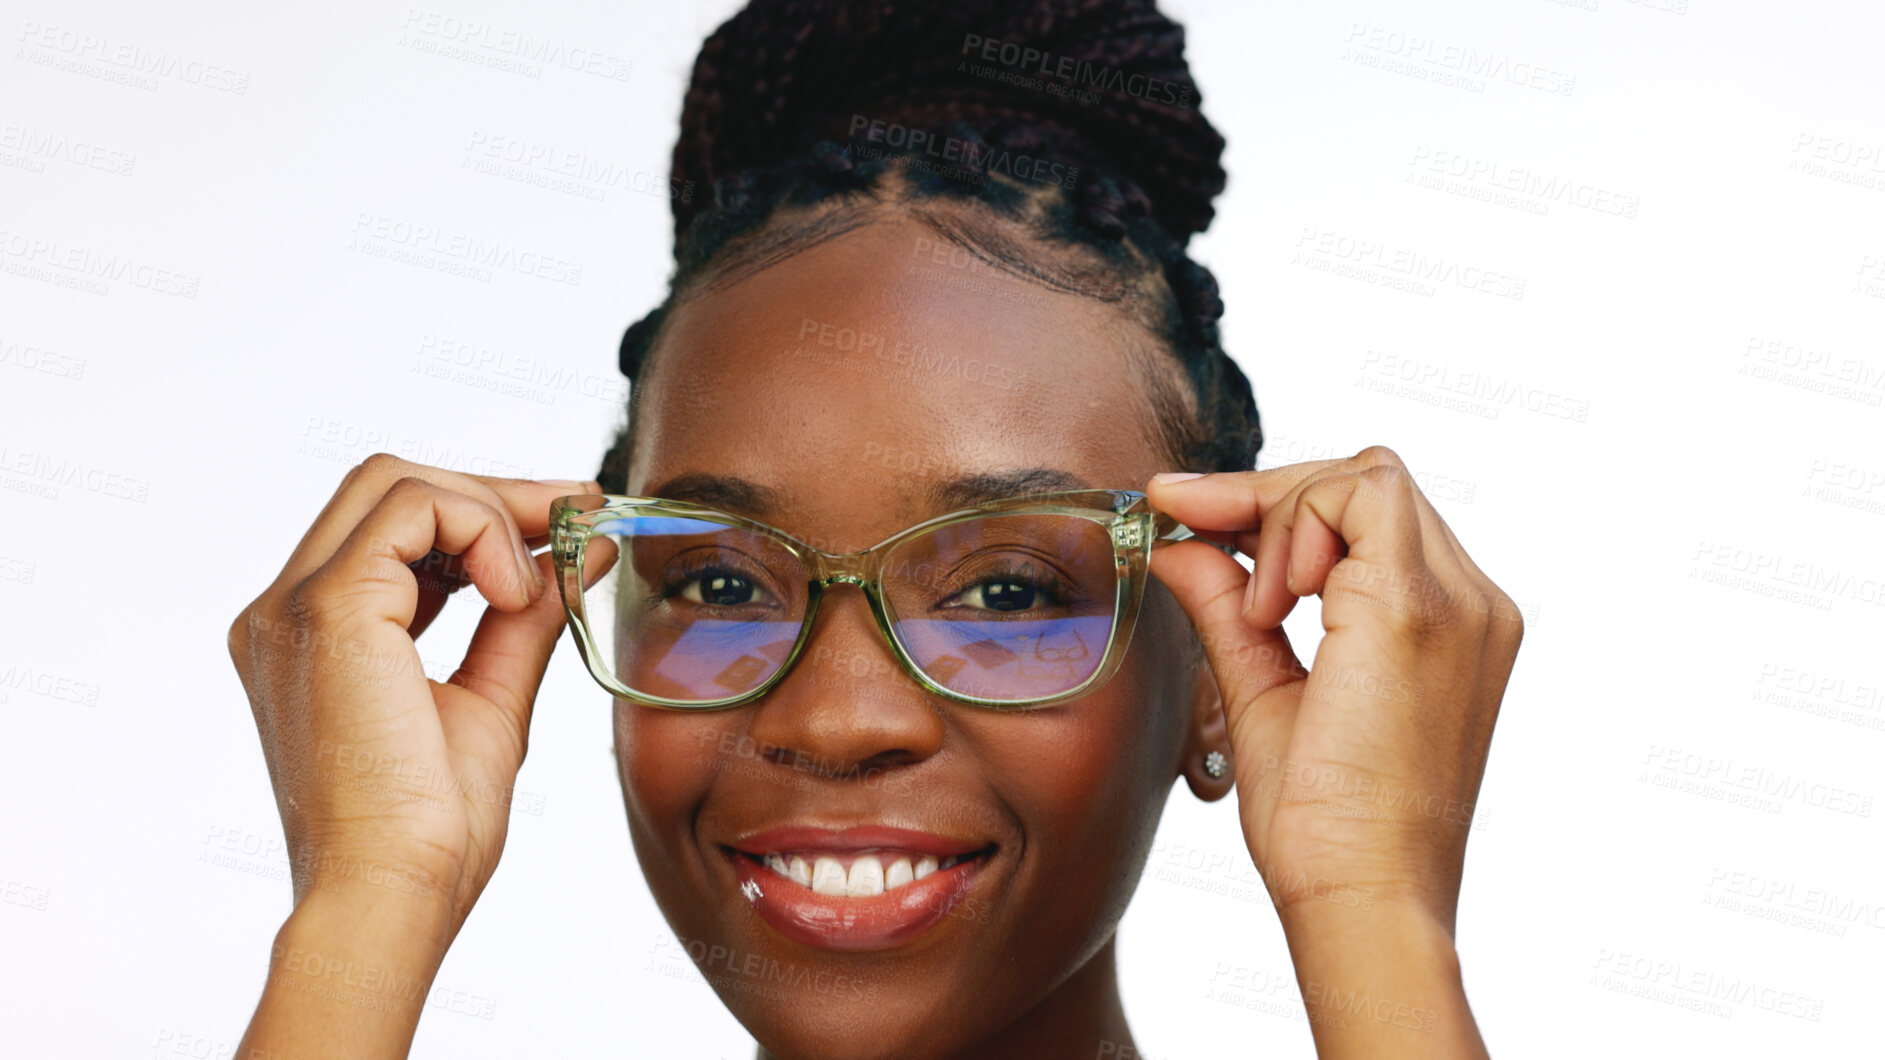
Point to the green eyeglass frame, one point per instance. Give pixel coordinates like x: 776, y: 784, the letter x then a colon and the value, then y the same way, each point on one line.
x: 1134, y: 527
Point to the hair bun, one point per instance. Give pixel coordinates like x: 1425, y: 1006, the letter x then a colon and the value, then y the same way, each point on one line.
x: 1089, y: 83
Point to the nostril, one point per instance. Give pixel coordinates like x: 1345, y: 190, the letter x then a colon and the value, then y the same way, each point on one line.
x: 828, y: 767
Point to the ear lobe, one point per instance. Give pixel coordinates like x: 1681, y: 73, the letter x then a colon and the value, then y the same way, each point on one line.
x: 1210, y: 732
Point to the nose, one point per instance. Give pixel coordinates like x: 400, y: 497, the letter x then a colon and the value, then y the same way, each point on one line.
x: 847, y: 707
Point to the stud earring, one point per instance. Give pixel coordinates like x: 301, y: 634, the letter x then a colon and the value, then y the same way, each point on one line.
x: 1215, y: 764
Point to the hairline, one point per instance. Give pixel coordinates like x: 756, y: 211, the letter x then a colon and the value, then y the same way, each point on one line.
x: 792, y: 230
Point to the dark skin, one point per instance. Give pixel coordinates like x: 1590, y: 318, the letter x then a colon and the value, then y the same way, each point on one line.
x: 1070, y: 794
x: 1355, y: 778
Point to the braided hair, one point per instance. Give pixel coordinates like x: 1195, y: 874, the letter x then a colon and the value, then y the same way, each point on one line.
x: 771, y: 124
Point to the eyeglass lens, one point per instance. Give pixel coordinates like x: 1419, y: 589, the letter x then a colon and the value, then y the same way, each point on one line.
x: 1007, y: 607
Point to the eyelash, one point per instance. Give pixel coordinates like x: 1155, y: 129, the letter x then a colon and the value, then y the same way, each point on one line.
x: 694, y: 571
x: 1056, y: 590
x: 1042, y: 580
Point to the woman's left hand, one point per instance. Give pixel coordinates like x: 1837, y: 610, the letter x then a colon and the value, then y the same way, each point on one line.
x: 1356, y: 777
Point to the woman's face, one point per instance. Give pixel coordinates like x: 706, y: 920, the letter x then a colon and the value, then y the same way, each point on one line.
x: 824, y: 395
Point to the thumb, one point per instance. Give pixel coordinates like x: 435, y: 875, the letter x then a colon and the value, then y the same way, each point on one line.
x: 1248, y: 662
x: 510, y: 652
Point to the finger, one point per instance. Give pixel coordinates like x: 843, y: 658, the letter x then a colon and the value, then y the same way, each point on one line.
x: 1431, y: 518
x: 1297, y: 550
x: 1229, y: 500
x: 363, y: 487
x: 1247, y: 662
x: 1244, y: 541
x: 524, y: 503
x: 439, y: 574
x: 369, y: 575
x: 1368, y: 517
x: 1447, y: 557
x: 505, y: 663
x: 1438, y: 547
x: 1237, y: 503
x: 1270, y: 599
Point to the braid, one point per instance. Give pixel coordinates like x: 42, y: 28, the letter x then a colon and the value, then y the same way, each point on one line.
x: 768, y: 125
x: 782, y: 74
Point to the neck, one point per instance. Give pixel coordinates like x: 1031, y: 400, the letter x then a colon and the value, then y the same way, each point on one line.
x: 1080, y: 1019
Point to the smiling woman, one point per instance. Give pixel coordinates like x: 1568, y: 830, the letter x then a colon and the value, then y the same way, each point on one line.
x: 888, y: 576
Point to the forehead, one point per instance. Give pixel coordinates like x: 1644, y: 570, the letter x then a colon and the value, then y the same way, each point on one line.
x: 851, y: 378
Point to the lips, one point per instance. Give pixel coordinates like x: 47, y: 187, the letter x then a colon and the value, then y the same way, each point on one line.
x: 861, y: 888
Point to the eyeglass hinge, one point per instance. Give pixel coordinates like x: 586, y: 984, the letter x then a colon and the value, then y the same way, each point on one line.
x: 1129, y: 533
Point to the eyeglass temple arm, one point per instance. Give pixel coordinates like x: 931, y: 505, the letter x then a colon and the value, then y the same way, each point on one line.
x: 1170, y: 531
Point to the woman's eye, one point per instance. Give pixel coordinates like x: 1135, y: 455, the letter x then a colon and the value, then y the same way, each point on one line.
x: 1002, y: 594
x: 722, y: 589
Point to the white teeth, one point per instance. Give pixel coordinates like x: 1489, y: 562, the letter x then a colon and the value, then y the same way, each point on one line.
x: 867, y: 877
x: 898, y: 874
x: 828, y: 877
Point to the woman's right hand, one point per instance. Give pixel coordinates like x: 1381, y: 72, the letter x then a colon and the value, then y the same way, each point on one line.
x: 394, y: 788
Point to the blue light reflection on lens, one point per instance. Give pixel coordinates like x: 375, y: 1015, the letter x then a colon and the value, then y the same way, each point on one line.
x: 1008, y: 659
x: 655, y: 525
x: 714, y: 659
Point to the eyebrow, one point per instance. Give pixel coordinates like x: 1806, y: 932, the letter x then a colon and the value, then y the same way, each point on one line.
x: 734, y: 494
x: 726, y: 492
x: 969, y: 490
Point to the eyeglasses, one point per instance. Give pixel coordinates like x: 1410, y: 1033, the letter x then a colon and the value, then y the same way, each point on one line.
x: 1007, y: 605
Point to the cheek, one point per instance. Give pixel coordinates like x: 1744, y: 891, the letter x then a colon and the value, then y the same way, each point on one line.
x: 1089, y: 783
x: 666, y: 763
x: 1110, y: 770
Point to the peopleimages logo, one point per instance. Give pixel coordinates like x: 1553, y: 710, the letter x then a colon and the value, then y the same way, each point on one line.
x: 121, y: 60
x: 1081, y: 73
x: 512, y: 50
x: 38, y: 146
x: 961, y: 153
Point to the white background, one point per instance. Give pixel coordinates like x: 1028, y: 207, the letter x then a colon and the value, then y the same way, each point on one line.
x: 1669, y: 451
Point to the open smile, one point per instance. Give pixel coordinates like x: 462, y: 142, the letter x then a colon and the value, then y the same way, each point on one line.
x: 864, y: 888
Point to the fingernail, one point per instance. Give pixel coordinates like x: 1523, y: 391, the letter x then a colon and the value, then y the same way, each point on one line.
x: 1250, y: 593
x: 1166, y: 478
x: 564, y: 483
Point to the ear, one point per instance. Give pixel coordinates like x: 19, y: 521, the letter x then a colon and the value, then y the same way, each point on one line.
x: 1209, y: 732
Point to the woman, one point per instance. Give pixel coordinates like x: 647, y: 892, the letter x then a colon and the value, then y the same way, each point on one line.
x: 942, y: 264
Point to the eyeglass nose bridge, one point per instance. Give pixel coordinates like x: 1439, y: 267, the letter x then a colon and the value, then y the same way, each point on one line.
x: 850, y: 568
x: 859, y: 569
